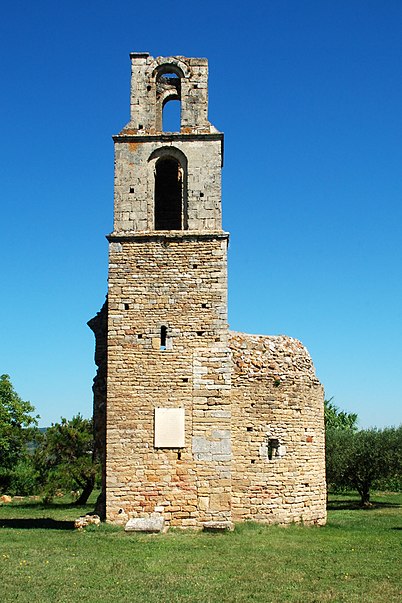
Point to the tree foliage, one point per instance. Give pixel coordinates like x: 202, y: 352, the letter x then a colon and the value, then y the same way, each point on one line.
x: 359, y: 459
x: 338, y: 419
x: 17, y: 427
x: 64, y: 458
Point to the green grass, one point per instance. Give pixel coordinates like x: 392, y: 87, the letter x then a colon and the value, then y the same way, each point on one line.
x: 356, y: 557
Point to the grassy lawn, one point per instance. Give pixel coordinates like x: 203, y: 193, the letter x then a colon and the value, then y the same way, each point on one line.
x: 356, y: 557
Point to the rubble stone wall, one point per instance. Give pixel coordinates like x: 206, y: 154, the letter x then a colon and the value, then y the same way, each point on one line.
x: 276, y: 399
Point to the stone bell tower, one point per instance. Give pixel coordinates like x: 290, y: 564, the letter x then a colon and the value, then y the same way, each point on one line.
x: 168, y: 432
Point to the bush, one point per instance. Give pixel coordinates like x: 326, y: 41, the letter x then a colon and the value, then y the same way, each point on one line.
x: 24, y: 478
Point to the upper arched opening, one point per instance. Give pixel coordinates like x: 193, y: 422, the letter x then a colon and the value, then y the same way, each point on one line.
x: 168, y: 88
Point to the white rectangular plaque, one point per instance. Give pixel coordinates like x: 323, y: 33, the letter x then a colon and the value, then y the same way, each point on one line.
x: 169, y: 428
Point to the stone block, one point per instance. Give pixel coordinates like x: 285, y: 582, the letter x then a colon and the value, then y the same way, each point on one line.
x: 145, y: 524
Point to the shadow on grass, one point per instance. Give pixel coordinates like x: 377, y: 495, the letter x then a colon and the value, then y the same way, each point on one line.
x: 40, y: 523
x: 354, y: 505
x: 28, y: 506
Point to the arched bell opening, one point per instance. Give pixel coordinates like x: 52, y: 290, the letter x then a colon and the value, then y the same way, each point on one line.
x: 168, y: 98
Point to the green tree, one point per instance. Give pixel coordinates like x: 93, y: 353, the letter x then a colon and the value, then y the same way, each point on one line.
x: 358, y: 459
x: 17, y: 427
x: 64, y: 458
x: 338, y: 419
x: 339, y: 429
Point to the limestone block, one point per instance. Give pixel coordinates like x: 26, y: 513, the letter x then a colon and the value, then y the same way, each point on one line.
x: 145, y: 524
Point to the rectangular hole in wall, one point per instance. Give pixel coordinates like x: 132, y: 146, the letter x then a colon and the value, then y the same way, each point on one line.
x: 273, y: 445
x: 200, y: 333
x: 131, y: 189
x: 203, y: 305
x: 163, y: 338
x: 185, y: 379
x: 139, y: 335
x: 249, y: 429
x: 126, y: 307
x: 201, y: 194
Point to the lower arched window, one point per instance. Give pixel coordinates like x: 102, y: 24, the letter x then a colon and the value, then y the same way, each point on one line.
x: 168, y: 194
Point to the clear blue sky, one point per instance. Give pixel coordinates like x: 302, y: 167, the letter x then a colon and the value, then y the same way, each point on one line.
x: 309, y: 95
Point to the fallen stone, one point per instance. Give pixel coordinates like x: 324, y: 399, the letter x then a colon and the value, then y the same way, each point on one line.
x: 145, y: 524
x: 217, y: 526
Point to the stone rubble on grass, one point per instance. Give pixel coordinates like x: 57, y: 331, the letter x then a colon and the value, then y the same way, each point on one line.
x: 86, y: 520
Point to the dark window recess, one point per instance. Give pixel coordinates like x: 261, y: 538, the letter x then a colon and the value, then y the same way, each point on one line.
x: 126, y: 307
x: 200, y: 333
x: 273, y: 445
x: 195, y: 265
x: 131, y: 189
x: 249, y: 429
x: 203, y: 305
x: 140, y: 126
x: 149, y: 88
x: 185, y: 379
x: 168, y: 194
x: 201, y: 194
x: 179, y: 456
x: 139, y: 335
x: 163, y: 337
x: 252, y: 461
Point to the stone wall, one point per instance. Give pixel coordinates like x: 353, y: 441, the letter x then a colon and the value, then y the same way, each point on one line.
x: 135, y: 159
x: 179, y: 283
x: 278, y: 470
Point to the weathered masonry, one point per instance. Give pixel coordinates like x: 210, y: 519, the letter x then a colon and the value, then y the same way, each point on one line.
x: 195, y: 423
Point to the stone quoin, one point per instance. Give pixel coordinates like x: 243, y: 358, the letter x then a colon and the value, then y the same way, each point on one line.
x: 193, y: 423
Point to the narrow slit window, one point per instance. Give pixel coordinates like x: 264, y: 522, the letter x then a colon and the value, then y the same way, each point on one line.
x: 163, y: 337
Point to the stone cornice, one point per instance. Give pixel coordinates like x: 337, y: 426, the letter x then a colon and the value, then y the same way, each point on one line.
x: 167, y: 137
x: 166, y: 236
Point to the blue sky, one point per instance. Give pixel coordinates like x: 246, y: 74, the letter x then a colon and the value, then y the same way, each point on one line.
x: 309, y: 95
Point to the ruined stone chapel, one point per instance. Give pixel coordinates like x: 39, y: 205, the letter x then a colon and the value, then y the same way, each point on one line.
x: 194, y: 423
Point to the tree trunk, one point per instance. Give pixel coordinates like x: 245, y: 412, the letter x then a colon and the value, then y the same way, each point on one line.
x: 364, y: 491
x: 86, y: 492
